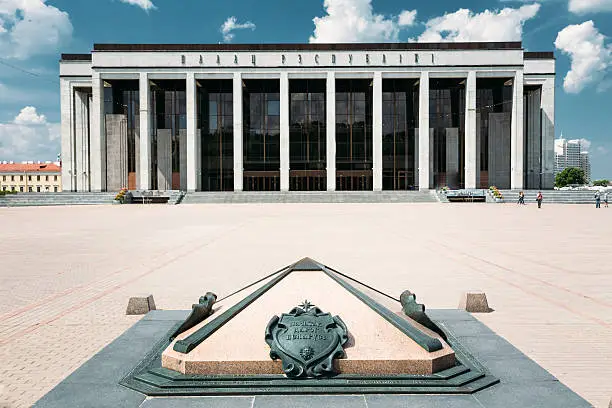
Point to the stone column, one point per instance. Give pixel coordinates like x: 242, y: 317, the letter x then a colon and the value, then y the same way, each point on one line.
x: 66, y: 138
x: 97, y: 135
x: 547, y: 103
x: 284, y: 131
x: 145, y: 134
x: 191, y: 151
x: 424, y: 131
x: 377, y: 156
x: 238, y: 159
x: 471, y: 172
x: 330, y: 134
x: 81, y: 146
x: 517, y: 147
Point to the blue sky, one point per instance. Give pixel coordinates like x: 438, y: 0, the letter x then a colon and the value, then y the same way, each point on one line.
x: 34, y: 32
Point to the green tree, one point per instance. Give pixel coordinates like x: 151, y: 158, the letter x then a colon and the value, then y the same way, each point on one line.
x: 601, y: 183
x: 570, y: 175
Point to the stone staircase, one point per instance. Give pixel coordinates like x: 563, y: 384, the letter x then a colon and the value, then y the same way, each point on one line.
x: 312, y: 197
x: 554, y: 196
x: 48, y: 199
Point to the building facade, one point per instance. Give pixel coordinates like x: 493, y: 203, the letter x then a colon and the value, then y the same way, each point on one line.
x: 31, y: 177
x: 572, y: 153
x: 282, y: 117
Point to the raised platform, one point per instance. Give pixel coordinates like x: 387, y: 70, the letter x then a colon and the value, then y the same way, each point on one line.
x: 311, y: 197
x: 523, y: 383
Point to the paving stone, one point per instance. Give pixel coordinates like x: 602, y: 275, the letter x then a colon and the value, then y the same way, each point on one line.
x: 176, y: 315
x: 421, y: 401
x: 538, y: 394
x: 199, y: 402
x: 79, y: 395
x: 309, y: 401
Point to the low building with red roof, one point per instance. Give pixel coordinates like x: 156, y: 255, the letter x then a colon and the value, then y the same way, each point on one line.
x: 24, y: 177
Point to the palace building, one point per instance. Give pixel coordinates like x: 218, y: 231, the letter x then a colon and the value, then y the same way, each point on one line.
x: 307, y: 117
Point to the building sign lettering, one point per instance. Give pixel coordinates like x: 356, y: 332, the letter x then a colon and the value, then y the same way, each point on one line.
x: 308, y: 59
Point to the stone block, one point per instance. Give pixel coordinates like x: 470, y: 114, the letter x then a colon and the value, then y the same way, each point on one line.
x: 474, y: 302
x: 138, y: 305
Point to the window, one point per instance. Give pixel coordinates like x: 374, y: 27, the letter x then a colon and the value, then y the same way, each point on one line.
x: 20, y: 178
x: 30, y: 189
x: 54, y: 178
x: 46, y: 178
x: 38, y: 188
x: 55, y: 188
x: 29, y: 178
x: 13, y: 188
x: 3, y: 188
x: 12, y: 178
x: 37, y: 178
x: 3, y: 178
x: 21, y: 189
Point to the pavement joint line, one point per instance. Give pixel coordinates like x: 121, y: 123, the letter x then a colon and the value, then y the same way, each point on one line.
x: 529, y: 277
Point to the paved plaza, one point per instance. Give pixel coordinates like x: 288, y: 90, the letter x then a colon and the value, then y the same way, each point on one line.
x: 67, y: 273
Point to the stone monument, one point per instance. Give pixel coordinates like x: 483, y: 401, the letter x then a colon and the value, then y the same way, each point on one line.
x: 344, y: 329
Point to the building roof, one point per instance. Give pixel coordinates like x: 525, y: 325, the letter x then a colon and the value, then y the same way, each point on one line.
x: 30, y: 168
x: 515, y: 45
x: 511, y: 45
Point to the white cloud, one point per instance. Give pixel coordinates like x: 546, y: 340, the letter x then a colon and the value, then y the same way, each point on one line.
x: 591, y: 58
x: 464, y: 25
x: 355, y: 21
x: 29, y: 137
x: 31, y: 27
x: 143, y: 4
x: 29, y: 116
x: 589, y: 6
x: 230, y: 25
x: 407, y: 18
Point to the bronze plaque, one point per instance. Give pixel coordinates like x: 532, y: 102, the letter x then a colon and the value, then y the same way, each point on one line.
x: 307, y: 341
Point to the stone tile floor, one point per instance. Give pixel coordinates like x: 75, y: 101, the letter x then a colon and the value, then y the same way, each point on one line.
x: 66, y: 273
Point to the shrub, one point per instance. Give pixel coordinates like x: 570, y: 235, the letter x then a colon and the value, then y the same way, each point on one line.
x: 601, y: 183
x: 571, y: 175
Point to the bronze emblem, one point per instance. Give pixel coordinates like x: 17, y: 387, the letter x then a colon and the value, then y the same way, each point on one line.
x: 307, y: 341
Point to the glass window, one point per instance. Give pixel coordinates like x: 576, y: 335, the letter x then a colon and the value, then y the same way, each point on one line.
x: 21, y: 189
x: 353, y: 134
x: 20, y: 178
x: 215, y: 108
x: 54, y: 178
x: 261, y: 144
x: 37, y: 178
x: 12, y: 178
x: 55, y: 189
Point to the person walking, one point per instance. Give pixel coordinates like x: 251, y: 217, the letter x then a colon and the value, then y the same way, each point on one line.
x: 597, y: 200
x: 539, y: 198
x: 606, y: 199
x: 521, y: 198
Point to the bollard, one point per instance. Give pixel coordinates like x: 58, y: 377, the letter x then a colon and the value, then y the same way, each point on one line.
x: 139, y: 305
